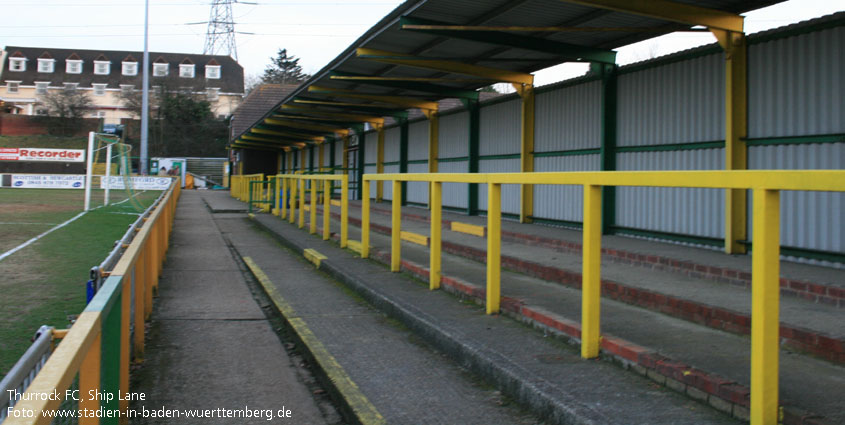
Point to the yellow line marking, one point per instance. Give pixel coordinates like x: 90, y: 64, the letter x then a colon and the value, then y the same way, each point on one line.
x: 335, y: 202
x: 414, y: 237
x: 314, y: 256
x: 355, y: 246
x: 366, y: 413
x: 470, y: 229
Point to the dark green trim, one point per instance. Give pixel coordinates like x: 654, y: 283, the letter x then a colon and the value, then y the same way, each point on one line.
x: 796, y: 140
x: 456, y: 159
x: 474, y: 151
x: 106, y: 296
x: 390, y: 163
x: 418, y: 161
x: 332, y: 153
x: 574, y: 152
x: 676, y: 237
x: 716, y: 144
x: 835, y: 257
x: 284, y: 167
x: 573, y: 52
x: 403, y: 156
x: 608, y: 141
x: 311, y: 158
x: 370, y: 164
x: 503, y: 156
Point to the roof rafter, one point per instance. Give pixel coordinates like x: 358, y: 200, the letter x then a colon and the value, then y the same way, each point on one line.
x: 403, y: 101
x: 671, y: 11
x: 415, y: 85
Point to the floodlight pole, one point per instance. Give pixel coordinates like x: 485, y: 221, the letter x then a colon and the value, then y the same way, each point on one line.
x: 88, y: 165
x: 145, y: 95
x: 108, y: 174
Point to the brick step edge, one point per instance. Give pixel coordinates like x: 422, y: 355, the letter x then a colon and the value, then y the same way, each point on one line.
x: 710, y: 389
x: 810, y: 291
x: 802, y: 340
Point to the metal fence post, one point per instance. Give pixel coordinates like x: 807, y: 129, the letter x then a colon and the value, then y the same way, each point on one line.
x: 436, y: 205
x: 312, y: 227
x: 494, y: 247
x: 327, y: 202
x: 591, y: 273
x: 301, y: 201
x: 365, y: 218
x: 765, y: 307
x: 344, y: 210
x: 396, y: 227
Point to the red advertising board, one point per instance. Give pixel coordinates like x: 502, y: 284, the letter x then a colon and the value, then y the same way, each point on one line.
x: 42, y: 154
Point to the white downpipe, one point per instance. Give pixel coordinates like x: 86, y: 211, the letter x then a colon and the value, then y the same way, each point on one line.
x: 108, y: 174
x: 88, y: 165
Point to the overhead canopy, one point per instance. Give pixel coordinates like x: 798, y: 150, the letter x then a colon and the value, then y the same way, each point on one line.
x: 428, y: 50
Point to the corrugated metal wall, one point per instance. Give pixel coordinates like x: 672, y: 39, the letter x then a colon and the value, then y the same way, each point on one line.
x: 698, y: 212
x: 681, y: 102
x: 510, y: 192
x: 558, y: 202
x: 371, y: 147
x: 338, y: 155
x: 568, y: 118
x: 418, y: 191
x: 811, y: 220
x: 391, y: 144
x: 453, y: 138
x: 500, y: 128
x: 454, y: 194
x: 371, y: 169
x: 418, y: 140
x: 795, y: 85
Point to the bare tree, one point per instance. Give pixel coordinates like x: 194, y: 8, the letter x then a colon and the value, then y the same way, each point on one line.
x: 67, y: 103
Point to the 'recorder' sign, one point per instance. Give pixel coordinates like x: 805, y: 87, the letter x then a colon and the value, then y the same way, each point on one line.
x: 42, y: 154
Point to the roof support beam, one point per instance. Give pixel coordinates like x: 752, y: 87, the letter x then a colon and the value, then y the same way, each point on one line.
x: 671, y: 11
x: 446, y: 66
x: 571, y: 51
x: 393, y: 100
x: 286, y: 140
x: 408, y: 85
x: 342, y: 116
x: 305, y: 126
x: 282, y: 133
x: 365, y: 108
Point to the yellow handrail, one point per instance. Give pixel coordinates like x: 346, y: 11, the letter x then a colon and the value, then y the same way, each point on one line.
x: 765, y: 184
x: 294, y: 184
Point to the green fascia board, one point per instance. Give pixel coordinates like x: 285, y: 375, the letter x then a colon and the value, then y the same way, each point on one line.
x: 716, y: 144
x: 501, y: 156
x: 573, y: 152
x: 567, y: 50
x: 415, y: 86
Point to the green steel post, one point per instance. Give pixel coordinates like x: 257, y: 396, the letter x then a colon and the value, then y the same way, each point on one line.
x: 311, y: 159
x: 403, y: 157
x: 332, y: 153
x: 359, y: 173
x: 473, y: 166
x: 608, y: 142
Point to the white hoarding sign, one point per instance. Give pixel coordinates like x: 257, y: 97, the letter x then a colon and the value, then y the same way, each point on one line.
x: 138, y: 183
x: 51, y: 181
x: 41, y: 154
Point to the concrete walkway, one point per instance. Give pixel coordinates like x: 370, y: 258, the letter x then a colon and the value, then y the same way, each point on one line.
x: 210, y: 346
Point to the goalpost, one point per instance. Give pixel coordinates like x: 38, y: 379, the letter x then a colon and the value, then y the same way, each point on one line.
x: 105, y: 152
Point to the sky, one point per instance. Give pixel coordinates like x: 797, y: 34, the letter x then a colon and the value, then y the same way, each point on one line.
x: 315, y: 31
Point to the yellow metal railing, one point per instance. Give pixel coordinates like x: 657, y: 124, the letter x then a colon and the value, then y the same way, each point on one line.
x: 239, y: 185
x: 766, y: 187
x: 97, y: 345
x: 290, y: 191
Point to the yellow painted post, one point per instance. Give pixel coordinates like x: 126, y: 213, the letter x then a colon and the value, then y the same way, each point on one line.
x: 301, y: 202
x: 140, y: 285
x: 380, y: 163
x: 344, y: 211
x: 277, y: 188
x: 396, y: 227
x: 312, y: 227
x: 327, y: 203
x: 293, y: 194
x: 765, y: 307
x: 149, y: 259
x: 283, y: 195
x: 435, y: 202
x: 89, y: 380
x: 591, y: 273
x: 526, y: 157
x: 736, y: 129
x: 494, y: 247
x: 365, y: 219
x: 433, y: 149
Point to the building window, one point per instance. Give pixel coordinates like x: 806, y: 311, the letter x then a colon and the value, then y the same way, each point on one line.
x: 99, y: 89
x: 41, y: 111
x: 17, y: 64
x: 186, y: 70
x: 213, y: 94
x: 98, y: 114
x: 130, y: 68
x: 212, y: 71
x: 71, y: 86
x: 73, y: 66
x: 160, y: 69
x: 46, y: 65
x: 127, y: 88
x: 12, y: 86
x: 41, y: 87
x: 102, y: 67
